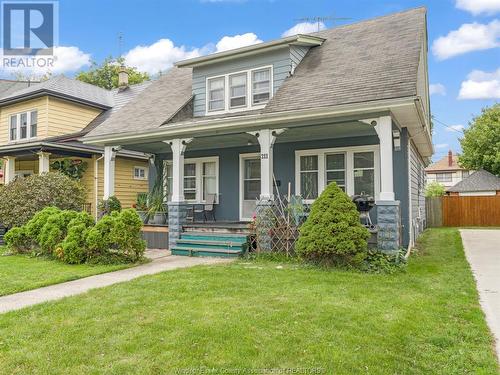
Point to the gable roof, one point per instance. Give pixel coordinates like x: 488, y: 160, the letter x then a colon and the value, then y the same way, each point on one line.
x: 478, y: 181
x: 363, y: 62
x: 158, y: 103
x: 64, y: 87
x: 444, y: 165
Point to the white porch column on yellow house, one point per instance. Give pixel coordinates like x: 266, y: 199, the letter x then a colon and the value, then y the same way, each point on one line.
x: 9, y: 169
x: 43, y: 162
x: 266, y: 138
x: 109, y: 171
x: 384, y: 131
x: 178, y: 147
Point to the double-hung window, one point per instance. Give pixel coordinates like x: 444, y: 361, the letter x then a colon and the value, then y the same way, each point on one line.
x: 23, y: 126
x: 444, y: 177
x: 140, y: 173
x: 261, y: 86
x: 355, y: 170
x: 216, y: 94
x: 237, y: 90
x: 200, y: 179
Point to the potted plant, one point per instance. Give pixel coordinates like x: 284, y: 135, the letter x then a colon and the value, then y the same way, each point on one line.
x: 157, y: 208
x: 141, y: 206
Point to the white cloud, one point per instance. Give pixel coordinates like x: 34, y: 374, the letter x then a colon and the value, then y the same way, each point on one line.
x: 158, y: 56
x: 481, y: 85
x: 236, y: 41
x: 477, y: 7
x: 66, y: 59
x: 304, y: 28
x: 469, y: 37
x: 455, y: 128
x: 437, y: 89
x: 441, y: 145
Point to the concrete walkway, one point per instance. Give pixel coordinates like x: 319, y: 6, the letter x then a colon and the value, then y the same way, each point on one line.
x: 482, y: 249
x: 161, y: 261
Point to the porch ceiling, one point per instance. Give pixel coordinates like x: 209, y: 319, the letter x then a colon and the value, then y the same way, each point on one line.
x: 292, y: 134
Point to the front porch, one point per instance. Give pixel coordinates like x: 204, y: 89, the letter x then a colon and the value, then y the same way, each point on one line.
x: 244, y: 168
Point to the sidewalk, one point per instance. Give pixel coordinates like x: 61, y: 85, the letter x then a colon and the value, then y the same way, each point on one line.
x: 161, y: 261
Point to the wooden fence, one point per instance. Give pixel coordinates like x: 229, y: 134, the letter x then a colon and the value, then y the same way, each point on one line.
x: 459, y: 211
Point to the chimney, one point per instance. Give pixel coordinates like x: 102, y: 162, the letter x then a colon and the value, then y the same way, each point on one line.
x: 450, y: 159
x: 122, y: 78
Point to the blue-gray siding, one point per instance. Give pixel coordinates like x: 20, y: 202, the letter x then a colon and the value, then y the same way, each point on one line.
x: 417, y: 193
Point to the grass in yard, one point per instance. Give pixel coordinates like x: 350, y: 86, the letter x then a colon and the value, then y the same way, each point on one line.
x: 20, y: 272
x: 256, y: 315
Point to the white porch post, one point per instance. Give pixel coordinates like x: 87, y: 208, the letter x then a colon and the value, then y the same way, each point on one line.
x: 384, y: 131
x: 178, y: 148
x: 43, y: 162
x: 9, y: 169
x: 109, y: 171
x: 266, y: 138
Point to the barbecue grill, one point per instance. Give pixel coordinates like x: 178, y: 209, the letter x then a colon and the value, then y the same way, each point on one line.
x: 364, y: 203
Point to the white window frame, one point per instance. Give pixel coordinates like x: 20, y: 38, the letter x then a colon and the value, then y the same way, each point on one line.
x: 349, y: 167
x: 18, y: 126
x: 224, y: 90
x: 199, y: 176
x: 249, y: 97
x: 143, y: 169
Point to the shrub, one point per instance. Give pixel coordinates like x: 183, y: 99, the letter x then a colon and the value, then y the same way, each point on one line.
x: 72, y: 249
x: 376, y: 261
x: 126, y: 235
x: 17, y: 240
x: 107, y: 206
x: 332, y: 234
x: 35, y: 225
x: 54, y: 230
x: 22, y: 198
x: 98, y: 239
x: 434, y: 189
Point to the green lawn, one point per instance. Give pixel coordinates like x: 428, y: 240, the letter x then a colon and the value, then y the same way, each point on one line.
x: 19, y: 272
x: 258, y: 315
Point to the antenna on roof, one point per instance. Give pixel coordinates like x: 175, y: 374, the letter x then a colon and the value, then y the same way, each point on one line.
x: 321, y: 20
x: 120, y: 43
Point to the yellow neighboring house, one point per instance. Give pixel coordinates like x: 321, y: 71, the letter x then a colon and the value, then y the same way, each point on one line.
x: 42, y: 122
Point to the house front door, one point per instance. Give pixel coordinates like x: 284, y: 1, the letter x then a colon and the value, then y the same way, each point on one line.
x: 249, y: 185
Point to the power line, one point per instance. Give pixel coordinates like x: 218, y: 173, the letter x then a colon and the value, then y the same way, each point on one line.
x: 446, y: 125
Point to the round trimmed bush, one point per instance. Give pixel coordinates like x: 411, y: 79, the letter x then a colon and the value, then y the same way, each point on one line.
x: 333, y: 234
x: 24, y: 197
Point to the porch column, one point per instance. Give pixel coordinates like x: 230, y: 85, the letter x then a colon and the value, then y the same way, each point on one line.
x: 9, y: 169
x: 266, y: 138
x: 384, y: 131
x: 109, y: 171
x: 177, y: 208
x: 43, y: 162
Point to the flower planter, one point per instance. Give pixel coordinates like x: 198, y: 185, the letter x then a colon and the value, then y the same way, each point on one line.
x: 143, y: 215
x: 159, y: 218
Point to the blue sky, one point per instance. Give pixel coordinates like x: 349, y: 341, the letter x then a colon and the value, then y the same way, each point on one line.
x: 464, y: 62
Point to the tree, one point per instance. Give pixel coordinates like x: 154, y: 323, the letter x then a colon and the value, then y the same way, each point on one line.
x: 106, y: 74
x: 481, y: 142
x: 434, y: 189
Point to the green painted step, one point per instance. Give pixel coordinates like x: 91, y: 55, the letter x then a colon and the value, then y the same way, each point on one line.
x: 206, y: 244
x: 214, y: 236
x: 196, y: 252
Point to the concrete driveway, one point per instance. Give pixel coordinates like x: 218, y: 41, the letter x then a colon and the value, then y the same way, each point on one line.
x: 482, y: 249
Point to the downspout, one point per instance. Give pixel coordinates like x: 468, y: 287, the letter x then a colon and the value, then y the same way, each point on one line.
x: 96, y: 183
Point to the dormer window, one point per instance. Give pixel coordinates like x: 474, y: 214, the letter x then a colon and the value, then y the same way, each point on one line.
x: 249, y: 89
x: 261, y: 86
x: 216, y: 94
x: 238, y: 90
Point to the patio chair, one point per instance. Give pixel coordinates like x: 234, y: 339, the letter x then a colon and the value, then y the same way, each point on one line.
x: 206, y: 209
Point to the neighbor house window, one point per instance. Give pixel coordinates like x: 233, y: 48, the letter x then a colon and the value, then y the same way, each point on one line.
x: 261, y: 86
x: 216, y: 94
x: 200, y: 178
x: 355, y: 170
x: 23, y: 125
x: 140, y: 173
x: 238, y: 90
x: 444, y: 177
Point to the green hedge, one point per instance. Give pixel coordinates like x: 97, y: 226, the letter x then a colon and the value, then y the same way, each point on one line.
x: 74, y: 237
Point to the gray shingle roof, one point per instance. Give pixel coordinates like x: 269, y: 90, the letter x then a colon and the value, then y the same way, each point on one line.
x: 478, y: 181
x: 67, y: 87
x: 8, y: 86
x: 153, y: 106
x: 366, y: 61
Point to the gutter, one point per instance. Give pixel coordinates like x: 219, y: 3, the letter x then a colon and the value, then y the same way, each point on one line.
x: 243, y: 122
x: 43, y: 92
